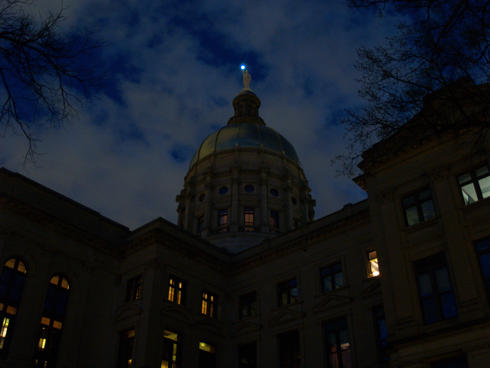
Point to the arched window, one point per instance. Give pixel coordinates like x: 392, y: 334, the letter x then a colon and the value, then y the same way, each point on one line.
x: 52, y: 322
x: 12, y: 281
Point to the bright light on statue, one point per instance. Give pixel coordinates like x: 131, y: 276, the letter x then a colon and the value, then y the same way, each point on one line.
x: 243, y: 67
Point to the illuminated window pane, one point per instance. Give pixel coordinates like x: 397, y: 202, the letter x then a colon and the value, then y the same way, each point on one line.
x: 208, y: 304
x: 475, y: 185
x: 223, y: 220
x: 126, y: 348
x: 134, y: 288
x: 418, y: 207
x: 170, y: 350
x: 337, y: 343
x: 331, y: 277
x: 204, y: 346
x: 373, y: 264
x: 10, y: 263
x: 249, y: 219
x: 175, y: 290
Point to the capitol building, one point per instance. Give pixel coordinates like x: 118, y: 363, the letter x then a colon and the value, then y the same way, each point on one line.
x: 248, y: 278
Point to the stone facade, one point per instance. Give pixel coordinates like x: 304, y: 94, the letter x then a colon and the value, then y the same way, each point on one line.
x: 309, y: 296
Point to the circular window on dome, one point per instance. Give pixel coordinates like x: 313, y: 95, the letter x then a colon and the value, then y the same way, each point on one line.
x: 201, y: 197
x: 293, y: 200
x: 274, y: 192
x: 223, y: 190
x: 249, y: 188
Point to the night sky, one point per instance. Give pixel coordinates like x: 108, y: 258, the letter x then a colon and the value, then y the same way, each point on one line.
x: 172, y: 69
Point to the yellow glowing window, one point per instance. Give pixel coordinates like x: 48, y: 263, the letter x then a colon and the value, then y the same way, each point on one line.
x: 5, y: 327
x: 42, y: 343
x: 10, y: 263
x: 204, y: 346
x: 1, y: 306
x: 175, y: 290
x: 64, y: 284
x: 373, y: 264
x: 45, y: 321
x: 208, y: 304
x: 57, y: 324
x: 174, y: 336
x: 11, y: 310
x: 54, y: 280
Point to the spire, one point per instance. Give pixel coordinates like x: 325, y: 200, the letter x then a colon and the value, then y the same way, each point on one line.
x: 246, y: 103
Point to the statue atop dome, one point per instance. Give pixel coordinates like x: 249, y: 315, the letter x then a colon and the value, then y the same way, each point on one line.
x: 247, y: 78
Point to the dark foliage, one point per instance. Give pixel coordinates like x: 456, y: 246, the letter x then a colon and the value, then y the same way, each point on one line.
x: 42, y: 71
x: 440, y: 45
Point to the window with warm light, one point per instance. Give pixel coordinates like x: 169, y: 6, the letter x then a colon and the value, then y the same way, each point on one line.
x: 209, y: 302
x: 171, y: 355
x: 249, y: 219
x: 337, y: 343
x: 287, y: 292
x: 373, y: 264
x: 207, y: 355
x: 134, y: 288
x: 175, y: 290
x: 12, y: 281
x: 475, y: 185
x: 52, y: 320
x: 125, y: 354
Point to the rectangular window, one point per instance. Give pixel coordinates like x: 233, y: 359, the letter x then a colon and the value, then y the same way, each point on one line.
x: 223, y: 220
x: 418, y: 207
x: 381, y: 334
x: 171, y: 350
x: 373, y: 265
x: 289, y: 350
x: 287, y: 292
x: 331, y: 277
x: 134, y: 288
x: 249, y: 219
x: 209, y: 302
x: 247, y: 355
x: 248, y: 305
x: 435, y: 290
x: 274, y: 220
x: 207, y: 355
x: 338, y: 348
x: 482, y: 248
x: 475, y: 185
x: 175, y: 290
x: 126, y: 349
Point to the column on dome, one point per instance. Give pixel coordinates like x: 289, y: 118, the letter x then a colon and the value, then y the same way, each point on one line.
x: 234, y: 221
x: 263, y: 218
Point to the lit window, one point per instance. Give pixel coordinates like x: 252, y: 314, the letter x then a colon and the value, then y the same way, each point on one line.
x: 248, y: 305
x: 475, y: 185
x: 435, y: 290
x: 331, y: 277
x: 171, y: 355
x: 175, y: 290
x: 208, y: 304
x: 12, y: 281
x: 134, y: 288
x: 482, y: 248
x: 337, y: 344
x: 287, y: 292
x: 274, y: 220
x: 247, y: 355
x: 207, y: 355
x: 249, y: 219
x: 223, y: 220
x: 289, y: 350
x: 373, y: 265
x: 418, y: 207
x: 52, y: 322
x: 125, y: 356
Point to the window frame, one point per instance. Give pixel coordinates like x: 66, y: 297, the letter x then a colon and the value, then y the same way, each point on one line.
x: 370, y: 272
x: 418, y: 202
x: 332, y: 326
x: 134, y: 288
x: 247, y: 302
x: 223, y: 213
x: 209, y: 304
x: 247, y: 225
x: 429, y: 266
x: 131, y: 342
x: 285, y: 286
x: 474, y: 179
x: 332, y: 275
x: 174, y: 290
x: 168, y: 347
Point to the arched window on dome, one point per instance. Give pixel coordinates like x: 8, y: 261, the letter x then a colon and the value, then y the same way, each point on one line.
x: 52, y: 322
x: 12, y: 281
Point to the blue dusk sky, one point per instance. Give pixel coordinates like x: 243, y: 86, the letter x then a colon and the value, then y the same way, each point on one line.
x: 171, y: 71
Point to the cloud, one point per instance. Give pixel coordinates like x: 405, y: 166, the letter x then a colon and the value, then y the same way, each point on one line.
x: 172, y: 73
